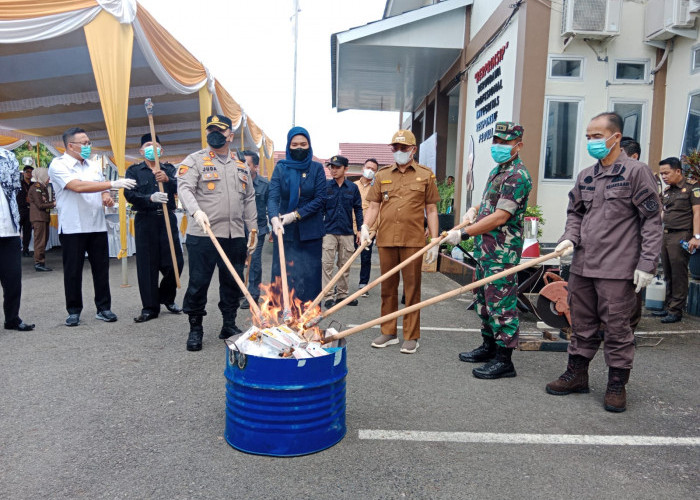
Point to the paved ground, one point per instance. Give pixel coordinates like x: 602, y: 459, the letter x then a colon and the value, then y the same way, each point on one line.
x: 124, y: 411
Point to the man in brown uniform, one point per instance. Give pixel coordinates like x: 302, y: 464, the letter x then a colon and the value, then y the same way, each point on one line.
x: 681, y: 217
x: 401, y: 193
x: 364, y: 184
x: 39, y: 215
x: 614, y: 224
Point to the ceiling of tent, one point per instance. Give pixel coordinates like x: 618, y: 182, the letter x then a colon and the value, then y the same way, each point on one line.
x: 48, y: 86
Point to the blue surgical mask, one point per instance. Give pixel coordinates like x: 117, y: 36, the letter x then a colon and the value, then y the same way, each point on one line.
x: 148, y: 153
x: 86, y: 151
x: 598, y: 148
x: 501, y: 153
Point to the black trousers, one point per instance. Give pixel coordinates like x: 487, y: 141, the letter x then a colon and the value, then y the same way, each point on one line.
x: 202, y: 258
x: 74, y: 248
x: 11, y: 279
x: 26, y: 226
x: 153, y: 257
x: 365, y: 263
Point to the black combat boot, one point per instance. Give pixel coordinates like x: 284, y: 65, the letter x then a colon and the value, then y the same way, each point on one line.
x: 615, y: 394
x: 194, y: 341
x: 485, y: 352
x: 499, y: 367
x: 229, y: 330
x: 574, y: 379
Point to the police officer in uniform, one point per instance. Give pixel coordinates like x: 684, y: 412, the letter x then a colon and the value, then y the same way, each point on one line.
x: 613, y: 222
x: 152, y: 245
x: 498, y: 231
x: 216, y: 190
x: 401, y: 194
x: 681, y: 200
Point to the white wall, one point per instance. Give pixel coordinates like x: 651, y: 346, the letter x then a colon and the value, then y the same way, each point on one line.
x: 680, y: 84
x: 597, y: 91
x: 481, y: 11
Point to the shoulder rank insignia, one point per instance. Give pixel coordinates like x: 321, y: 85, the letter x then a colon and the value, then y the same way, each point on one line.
x: 388, y: 181
x: 183, y: 170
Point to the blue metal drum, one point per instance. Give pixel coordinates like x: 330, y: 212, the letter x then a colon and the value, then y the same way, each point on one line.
x: 285, y: 407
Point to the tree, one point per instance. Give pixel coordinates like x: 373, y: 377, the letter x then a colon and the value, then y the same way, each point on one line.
x: 27, y: 149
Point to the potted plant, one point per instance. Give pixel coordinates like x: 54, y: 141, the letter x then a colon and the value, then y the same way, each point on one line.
x: 691, y: 166
x: 445, y: 205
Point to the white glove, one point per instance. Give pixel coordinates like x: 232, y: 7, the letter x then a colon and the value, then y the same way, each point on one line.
x: 470, y: 216
x: 431, y: 254
x: 364, y: 234
x: 252, y: 241
x: 124, y: 184
x: 564, y: 245
x: 454, y: 236
x: 288, y: 218
x: 641, y: 279
x: 159, y: 197
x: 276, y: 225
x: 201, y: 219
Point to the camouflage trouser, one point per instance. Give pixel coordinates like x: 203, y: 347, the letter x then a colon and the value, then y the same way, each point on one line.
x: 497, y: 305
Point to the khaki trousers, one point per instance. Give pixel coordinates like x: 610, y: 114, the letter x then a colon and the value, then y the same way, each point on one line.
x: 41, y: 234
x: 342, y: 245
x: 390, y: 257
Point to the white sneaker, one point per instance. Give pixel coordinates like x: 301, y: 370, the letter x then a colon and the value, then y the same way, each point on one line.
x: 409, y: 346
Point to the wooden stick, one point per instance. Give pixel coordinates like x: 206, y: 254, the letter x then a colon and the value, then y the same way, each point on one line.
x: 253, y: 304
x: 287, y: 313
x: 166, y: 213
x: 444, y: 296
x: 383, y: 277
x: 247, y: 271
x: 335, y: 278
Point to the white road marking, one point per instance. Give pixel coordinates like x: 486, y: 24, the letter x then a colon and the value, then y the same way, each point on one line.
x: 492, y: 437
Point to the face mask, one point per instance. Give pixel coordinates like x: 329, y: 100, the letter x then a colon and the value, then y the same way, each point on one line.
x: 368, y: 173
x: 148, y: 153
x: 402, y: 157
x: 598, y: 148
x: 501, y: 153
x: 216, y: 139
x: 85, y: 151
x: 298, y: 154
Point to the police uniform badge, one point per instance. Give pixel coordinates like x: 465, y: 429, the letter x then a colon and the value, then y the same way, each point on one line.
x: 696, y: 193
x: 211, y: 186
x: 183, y: 170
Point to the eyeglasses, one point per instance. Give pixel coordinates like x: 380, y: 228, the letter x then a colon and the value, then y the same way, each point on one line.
x: 400, y: 147
x: 88, y: 143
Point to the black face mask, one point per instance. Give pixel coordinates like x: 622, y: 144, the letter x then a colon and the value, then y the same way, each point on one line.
x: 299, y: 154
x: 216, y: 139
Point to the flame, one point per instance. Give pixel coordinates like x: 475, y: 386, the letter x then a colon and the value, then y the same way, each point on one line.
x: 272, y: 308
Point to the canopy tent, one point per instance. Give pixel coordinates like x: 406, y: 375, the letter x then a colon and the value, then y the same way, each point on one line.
x: 73, y: 63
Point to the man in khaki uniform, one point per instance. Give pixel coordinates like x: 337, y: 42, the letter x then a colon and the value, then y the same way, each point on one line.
x: 216, y: 189
x: 364, y: 184
x: 401, y: 194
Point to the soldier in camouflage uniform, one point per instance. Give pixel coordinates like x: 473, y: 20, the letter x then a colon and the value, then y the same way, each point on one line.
x: 498, y: 242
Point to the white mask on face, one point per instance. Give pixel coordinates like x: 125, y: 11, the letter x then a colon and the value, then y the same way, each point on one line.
x: 402, y: 157
x: 368, y: 173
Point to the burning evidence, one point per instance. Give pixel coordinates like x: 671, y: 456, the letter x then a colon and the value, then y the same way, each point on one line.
x: 278, y: 342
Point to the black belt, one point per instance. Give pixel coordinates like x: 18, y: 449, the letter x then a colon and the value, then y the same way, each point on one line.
x: 669, y: 230
x: 154, y: 212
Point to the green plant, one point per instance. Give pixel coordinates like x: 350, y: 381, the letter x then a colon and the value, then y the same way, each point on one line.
x: 446, y: 196
x: 27, y: 149
x: 692, y: 164
x: 536, y: 211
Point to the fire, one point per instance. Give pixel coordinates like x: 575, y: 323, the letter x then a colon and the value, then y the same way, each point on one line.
x: 272, y: 308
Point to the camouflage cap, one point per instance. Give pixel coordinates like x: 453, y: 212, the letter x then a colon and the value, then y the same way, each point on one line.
x: 508, y: 130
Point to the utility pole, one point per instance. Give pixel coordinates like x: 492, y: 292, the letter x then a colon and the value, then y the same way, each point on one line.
x: 294, y: 87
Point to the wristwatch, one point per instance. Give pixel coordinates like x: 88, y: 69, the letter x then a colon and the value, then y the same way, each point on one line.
x: 696, y: 236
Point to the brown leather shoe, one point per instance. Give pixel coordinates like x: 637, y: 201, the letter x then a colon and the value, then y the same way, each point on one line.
x: 615, y: 394
x: 574, y: 379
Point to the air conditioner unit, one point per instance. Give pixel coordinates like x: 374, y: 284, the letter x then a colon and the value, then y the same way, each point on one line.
x: 665, y: 19
x: 591, y: 18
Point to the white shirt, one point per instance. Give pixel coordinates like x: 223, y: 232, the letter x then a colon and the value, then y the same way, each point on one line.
x: 7, y: 228
x: 77, y: 212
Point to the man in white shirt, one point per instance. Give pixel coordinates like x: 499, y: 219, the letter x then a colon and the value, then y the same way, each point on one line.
x: 81, y: 192
x: 10, y: 246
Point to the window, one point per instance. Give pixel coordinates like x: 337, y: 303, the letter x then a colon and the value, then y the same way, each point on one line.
x: 695, y: 59
x: 566, y: 67
x: 691, y: 138
x: 631, y: 71
x: 560, y: 138
x: 632, y: 118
